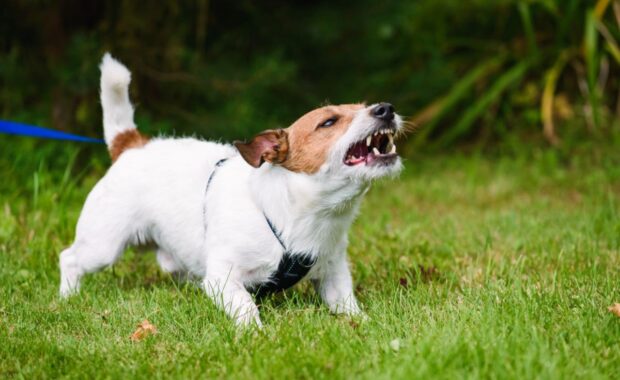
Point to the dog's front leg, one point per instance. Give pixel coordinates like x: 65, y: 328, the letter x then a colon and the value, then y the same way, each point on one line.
x: 231, y: 296
x: 335, y: 286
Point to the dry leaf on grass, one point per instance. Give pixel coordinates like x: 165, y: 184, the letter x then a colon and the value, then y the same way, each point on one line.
x: 403, y: 282
x: 145, y: 329
x: 615, y: 309
x: 353, y: 324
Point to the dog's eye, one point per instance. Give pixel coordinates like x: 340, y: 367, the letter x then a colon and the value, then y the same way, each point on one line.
x: 329, y: 122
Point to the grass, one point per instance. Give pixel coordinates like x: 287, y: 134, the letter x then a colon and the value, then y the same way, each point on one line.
x: 469, y: 266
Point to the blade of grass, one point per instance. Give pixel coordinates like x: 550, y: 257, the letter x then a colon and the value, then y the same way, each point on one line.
x: 528, y: 26
x: 428, y: 113
x: 582, y: 84
x: 590, y: 49
x: 616, y: 9
x: 611, y: 45
x: 565, y: 21
x: 507, y: 79
x: 600, y: 8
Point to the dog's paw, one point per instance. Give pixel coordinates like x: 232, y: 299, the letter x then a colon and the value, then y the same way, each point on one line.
x: 66, y: 290
x: 347, y: 307
x: 360, y: 317
x: 249, y: 319
x: 244, y: 323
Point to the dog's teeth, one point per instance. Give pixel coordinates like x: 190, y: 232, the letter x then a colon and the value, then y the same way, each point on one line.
x: 393, y: 149
x: 376, y: 151
x: 391, y: 136
x: 368, y: 140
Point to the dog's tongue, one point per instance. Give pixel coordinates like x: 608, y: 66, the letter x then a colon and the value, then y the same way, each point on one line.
x: 359, y: 150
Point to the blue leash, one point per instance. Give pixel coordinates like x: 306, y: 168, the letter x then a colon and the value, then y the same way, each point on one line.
x: 19, y: 129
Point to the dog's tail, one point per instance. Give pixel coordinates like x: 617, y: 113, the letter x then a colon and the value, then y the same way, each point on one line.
x: 119, y: 130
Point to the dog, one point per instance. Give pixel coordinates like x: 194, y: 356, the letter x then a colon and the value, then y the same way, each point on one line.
x: 251, y: 218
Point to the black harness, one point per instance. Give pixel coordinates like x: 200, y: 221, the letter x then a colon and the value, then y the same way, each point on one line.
x: 293, y: 266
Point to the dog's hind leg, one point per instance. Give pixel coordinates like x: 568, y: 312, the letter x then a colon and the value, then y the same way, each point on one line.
x: 69, y: 273
x: 167, y: 263
x: 86, y: 256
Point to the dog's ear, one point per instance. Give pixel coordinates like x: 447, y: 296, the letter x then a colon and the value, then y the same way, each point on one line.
x: 270, y: 146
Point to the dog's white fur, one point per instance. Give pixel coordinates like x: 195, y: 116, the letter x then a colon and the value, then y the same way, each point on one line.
x: 157, y: 193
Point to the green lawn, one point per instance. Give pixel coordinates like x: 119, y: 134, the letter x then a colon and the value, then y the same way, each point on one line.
x: 468, y: 266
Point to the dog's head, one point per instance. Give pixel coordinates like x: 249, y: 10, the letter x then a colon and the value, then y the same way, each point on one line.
x: 352, y: 140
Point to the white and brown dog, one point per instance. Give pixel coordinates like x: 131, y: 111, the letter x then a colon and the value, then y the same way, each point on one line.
x: 250, y: 218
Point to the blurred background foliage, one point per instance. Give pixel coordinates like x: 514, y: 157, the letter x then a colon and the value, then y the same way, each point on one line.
x: 475, y: 72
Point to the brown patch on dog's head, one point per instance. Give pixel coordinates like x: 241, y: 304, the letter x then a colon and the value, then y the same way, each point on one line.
x: 302, y: 147
x: 128, y: 139
x: 312, y: 135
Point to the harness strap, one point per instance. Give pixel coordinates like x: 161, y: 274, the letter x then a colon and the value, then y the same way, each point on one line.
x: 273, y: 229
x: 217, y: 165
x: 293, y: 266
x: 204, y: 208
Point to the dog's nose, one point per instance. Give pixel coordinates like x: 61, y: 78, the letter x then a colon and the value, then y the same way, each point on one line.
x: 383, y: 111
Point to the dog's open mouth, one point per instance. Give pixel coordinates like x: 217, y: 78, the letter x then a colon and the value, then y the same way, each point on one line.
x: 376, y: 148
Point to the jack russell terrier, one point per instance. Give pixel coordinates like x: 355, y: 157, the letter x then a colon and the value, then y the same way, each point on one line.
x: 250, y: 218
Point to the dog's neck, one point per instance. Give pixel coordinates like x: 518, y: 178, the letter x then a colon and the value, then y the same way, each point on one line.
x: 312, y: 211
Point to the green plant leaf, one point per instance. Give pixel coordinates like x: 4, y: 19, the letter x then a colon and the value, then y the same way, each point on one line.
x: 600, y: 8
x: 528, y: 26
x: 445, y: 104
x: 546, y: 107
x: 507, y: 79
x: 591, y: 56
x: 610, y: 42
